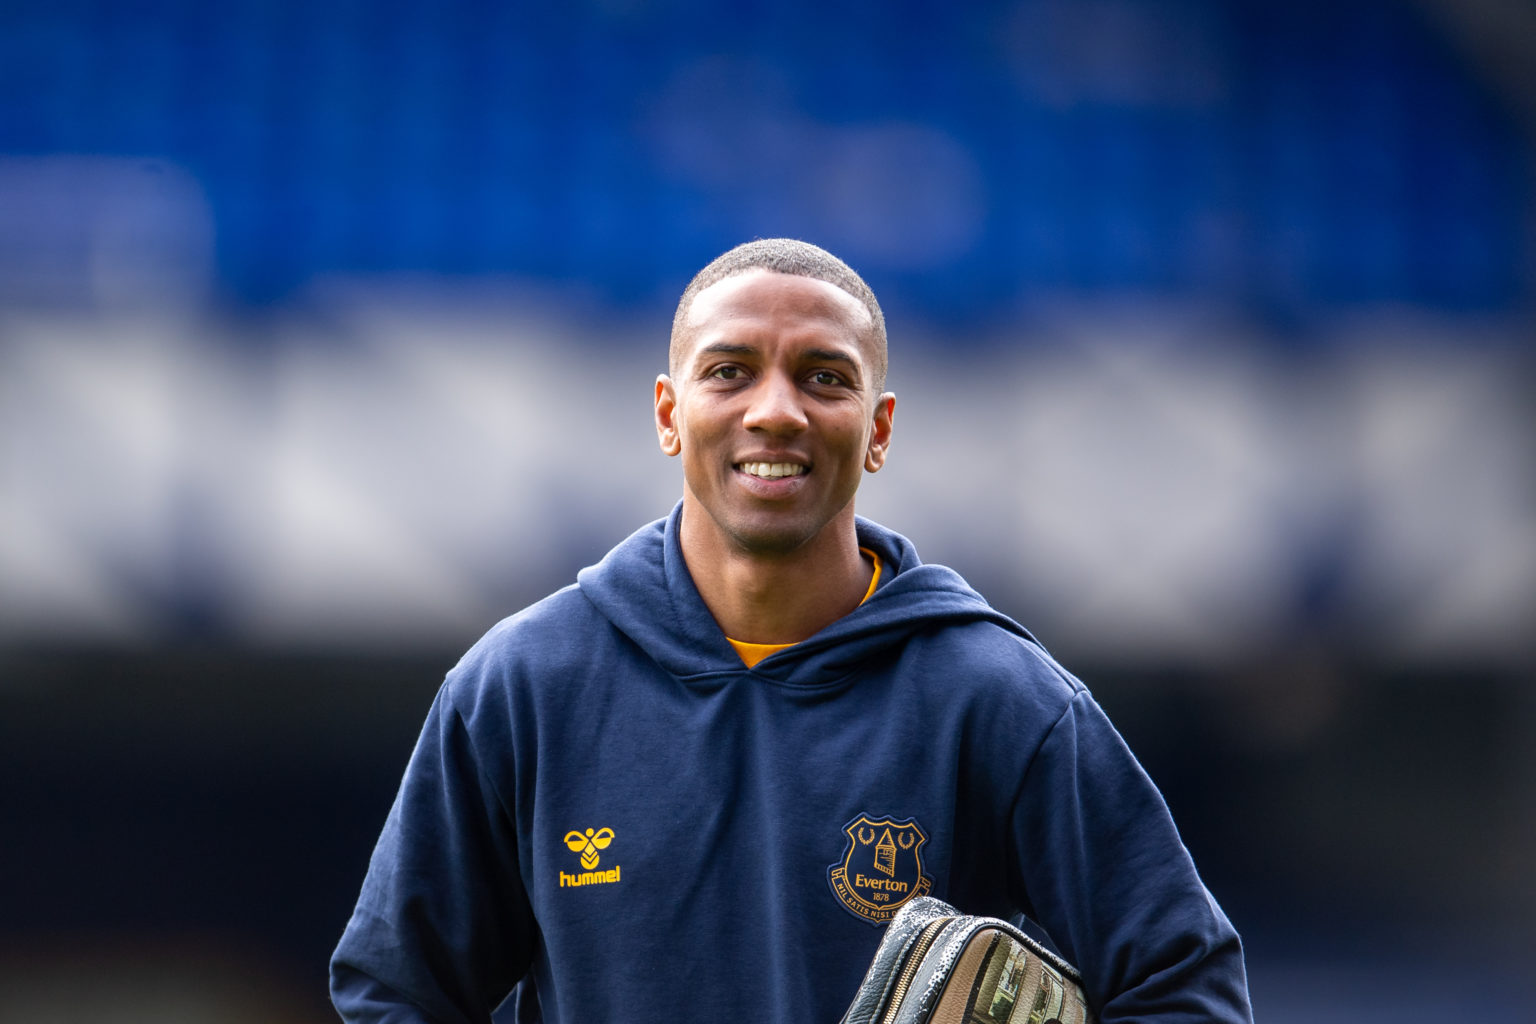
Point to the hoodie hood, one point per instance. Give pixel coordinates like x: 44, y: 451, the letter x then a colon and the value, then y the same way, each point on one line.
x: 644, y: 588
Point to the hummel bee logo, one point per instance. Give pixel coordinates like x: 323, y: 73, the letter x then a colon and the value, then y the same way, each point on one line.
x: 587, y: 844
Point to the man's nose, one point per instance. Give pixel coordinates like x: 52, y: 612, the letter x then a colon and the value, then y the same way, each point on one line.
x: 775, y: 406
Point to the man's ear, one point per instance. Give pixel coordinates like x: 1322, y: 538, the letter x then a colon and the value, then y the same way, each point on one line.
x: 880, y: 436
x: 666, y: 416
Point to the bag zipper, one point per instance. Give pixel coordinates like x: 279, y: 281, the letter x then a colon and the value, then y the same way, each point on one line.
x: 909, y: 967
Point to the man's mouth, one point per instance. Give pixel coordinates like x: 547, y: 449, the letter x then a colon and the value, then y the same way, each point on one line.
x: 772, y: 470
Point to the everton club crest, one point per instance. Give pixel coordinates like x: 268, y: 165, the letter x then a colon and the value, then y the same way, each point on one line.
x: 881, y: 869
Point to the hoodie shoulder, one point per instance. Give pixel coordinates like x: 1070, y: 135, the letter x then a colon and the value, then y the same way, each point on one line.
x: 540, y: 636
x: 643, y: 588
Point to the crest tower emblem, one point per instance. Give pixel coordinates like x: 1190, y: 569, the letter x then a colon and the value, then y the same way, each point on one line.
x: 881, y: 867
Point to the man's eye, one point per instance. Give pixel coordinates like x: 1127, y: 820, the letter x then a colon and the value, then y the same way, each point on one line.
x: 826, y: 378
x: 727, y: 372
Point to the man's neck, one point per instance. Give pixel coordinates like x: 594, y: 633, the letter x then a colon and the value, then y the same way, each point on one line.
x: 778, y: 598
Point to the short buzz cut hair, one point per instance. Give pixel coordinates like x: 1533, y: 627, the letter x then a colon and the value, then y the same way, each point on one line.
x: 783, y: 256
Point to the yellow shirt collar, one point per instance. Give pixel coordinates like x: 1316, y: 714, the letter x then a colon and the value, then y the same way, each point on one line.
x: 754, y: 653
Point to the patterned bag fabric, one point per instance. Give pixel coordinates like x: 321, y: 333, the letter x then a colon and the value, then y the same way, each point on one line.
x: 938, y: 966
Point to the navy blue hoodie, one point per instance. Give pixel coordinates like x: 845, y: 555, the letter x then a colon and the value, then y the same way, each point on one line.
x: 607, y: 803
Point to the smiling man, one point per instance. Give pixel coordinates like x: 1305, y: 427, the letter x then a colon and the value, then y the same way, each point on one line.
x: 774, y: 406
x: 695, y: 785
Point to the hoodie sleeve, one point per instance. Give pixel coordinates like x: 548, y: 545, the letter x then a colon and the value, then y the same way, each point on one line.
x: 442, y: 929
x: 1111, y: 881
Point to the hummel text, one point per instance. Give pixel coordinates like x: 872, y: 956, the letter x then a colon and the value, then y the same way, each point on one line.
x: 590, y: 877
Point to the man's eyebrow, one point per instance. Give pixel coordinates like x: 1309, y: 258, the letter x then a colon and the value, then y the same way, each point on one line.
x: 721, y: 348
x: 830, y: 355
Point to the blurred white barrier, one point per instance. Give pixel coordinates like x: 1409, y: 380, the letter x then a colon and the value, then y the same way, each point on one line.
x: 1146, y: 486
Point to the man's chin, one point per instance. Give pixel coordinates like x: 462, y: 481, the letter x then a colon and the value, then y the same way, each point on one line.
x: 769, y: 541
x: 760, y: 532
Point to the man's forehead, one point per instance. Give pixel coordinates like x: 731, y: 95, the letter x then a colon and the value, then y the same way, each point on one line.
x: 760, y: 290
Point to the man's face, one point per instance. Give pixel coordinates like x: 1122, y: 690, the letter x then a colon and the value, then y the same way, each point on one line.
x: 773, y: 411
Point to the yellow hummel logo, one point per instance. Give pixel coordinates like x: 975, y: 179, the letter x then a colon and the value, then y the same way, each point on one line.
x: 587, y: 844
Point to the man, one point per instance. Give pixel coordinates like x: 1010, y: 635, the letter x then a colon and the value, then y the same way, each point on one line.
x: 696, y: 784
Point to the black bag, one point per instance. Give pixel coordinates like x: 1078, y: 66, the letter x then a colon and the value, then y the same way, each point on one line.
x: 939, y: 966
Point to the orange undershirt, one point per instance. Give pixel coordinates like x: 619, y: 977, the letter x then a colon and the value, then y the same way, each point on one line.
x: 754, y: 653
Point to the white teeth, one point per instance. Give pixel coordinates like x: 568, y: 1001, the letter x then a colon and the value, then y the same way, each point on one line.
x: 772, y: 470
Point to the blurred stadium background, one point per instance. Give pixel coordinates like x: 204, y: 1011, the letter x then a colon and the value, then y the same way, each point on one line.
x: 327, y: 333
